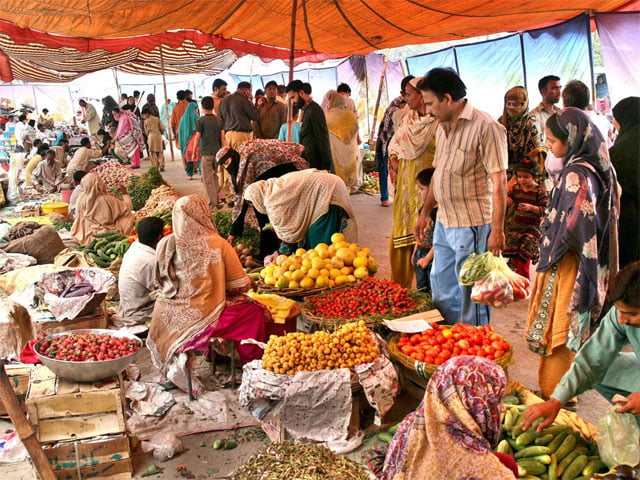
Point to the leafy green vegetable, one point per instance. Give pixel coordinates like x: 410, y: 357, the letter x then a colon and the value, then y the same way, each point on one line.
x: 139, y: 188
x: 222, y: 220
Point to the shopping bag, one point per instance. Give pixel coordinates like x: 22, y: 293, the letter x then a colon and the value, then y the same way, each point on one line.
x: 618, y: 438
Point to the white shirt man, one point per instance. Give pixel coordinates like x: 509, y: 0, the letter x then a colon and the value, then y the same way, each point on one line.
x: 137, y: 277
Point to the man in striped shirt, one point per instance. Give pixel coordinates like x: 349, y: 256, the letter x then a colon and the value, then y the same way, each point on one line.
x: 470, y: 187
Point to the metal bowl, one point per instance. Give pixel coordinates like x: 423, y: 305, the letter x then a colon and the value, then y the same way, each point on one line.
x: 89, y: 371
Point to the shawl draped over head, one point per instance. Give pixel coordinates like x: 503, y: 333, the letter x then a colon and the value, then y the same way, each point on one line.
x: 98, y: 211
x: 413, y: 135
x: 341, y: 121
x: 455, y: 428
x: 296, y: 200
x: 582, y: 218
x: 187, y: 126
x: 627, y: 113
x: 129, y: 133
x: 195, y: 267
x: 522, y: 133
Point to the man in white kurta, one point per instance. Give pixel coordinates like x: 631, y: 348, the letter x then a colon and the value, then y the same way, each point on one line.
x: 137, y: 278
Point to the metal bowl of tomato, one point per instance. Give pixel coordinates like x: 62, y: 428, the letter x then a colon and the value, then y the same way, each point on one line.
x: 88, y: 355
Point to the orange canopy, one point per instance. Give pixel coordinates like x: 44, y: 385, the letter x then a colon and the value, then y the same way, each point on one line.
x: 44, y: 40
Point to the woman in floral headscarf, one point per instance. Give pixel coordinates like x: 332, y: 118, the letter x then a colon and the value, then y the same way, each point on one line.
x: 201, y: 282
x: 129, y: 135
x: 523, y: 138
x: 578, y: 249
x: 454, y: 430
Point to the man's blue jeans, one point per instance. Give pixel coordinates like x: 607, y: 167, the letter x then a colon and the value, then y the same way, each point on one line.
x: 451, y: 248
x: 383, y: 171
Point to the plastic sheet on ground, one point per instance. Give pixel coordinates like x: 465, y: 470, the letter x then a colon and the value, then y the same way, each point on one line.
x: 149, y: 398
x: 212, y: 411
x: 14, y: 261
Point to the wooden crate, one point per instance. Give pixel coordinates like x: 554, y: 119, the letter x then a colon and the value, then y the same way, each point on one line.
x: 61, y: 410
x: 19, y: 378
x: 99, y: 319
x: 30, y: 211
x: 103, y: 457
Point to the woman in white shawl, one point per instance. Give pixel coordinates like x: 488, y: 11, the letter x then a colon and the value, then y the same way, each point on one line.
x: 343, y: 134
x: 410, y: 151
x: 305, y: 207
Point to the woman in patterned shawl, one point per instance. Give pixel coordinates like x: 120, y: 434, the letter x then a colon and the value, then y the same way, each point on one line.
x: 578, y: 249
x: 129, y: 135
x: 523, y: 137
x: 201, y: 283
x: 453, y: 431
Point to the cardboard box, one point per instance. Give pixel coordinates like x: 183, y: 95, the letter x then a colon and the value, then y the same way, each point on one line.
x: 19, y: 378
x: 61, y: 410
x: 99, y: 319
x: 103, y: 457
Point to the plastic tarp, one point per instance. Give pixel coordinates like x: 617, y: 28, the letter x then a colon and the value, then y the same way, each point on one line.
x: 490, y: 68
x: 620, y: 38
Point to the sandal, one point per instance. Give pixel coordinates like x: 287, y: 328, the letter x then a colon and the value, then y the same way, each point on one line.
x: 385, y: 203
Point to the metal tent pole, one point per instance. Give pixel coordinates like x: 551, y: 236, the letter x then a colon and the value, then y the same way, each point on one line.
x: 166, y: 109
x: 292, y: 56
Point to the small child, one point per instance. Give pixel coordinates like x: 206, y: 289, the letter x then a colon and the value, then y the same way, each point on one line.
x: 422, y: 257
x: 526, y: 202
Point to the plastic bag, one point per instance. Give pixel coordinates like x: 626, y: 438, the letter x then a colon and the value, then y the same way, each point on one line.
x: 164, y: 446
x: 499, y: 286
x: 493, y: 290
x: 618, y: 438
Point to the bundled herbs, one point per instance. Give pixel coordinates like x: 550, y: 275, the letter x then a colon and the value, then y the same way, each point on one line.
x: 250, y: 238
x: 139, y: 188
x: 302, y: 462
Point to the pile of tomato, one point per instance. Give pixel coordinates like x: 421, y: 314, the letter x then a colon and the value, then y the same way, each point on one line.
x: 369, y: 297
x: 441, y: 342
x: 90, y: 347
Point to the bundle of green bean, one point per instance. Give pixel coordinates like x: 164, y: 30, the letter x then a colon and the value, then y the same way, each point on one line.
x: 300, y: 462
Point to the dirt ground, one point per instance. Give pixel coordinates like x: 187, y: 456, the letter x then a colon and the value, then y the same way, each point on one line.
x: 374, y: 226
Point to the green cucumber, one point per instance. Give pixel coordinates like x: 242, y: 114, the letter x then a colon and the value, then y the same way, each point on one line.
x: 385, y: 437
x: 532, y: 452
x: 557, y: 441
x: 504, y: 447
x: 543, y: 440
x: 566, y: 447
x: 593, y: 467
x: 531, y: 466
x: 575, y: 468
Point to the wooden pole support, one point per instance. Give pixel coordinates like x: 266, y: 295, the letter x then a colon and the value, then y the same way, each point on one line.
x: 25, y: 430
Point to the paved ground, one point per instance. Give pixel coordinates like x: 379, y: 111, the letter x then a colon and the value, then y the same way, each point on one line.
x: 374, y: 224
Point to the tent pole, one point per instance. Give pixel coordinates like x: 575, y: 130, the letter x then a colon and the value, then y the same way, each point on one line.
x: 292, y: 48
x: 375, y: 110
x: 166, y: 109
x: 115, y: 76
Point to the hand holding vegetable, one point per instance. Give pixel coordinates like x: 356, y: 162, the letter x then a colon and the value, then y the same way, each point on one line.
x: 549, y: 410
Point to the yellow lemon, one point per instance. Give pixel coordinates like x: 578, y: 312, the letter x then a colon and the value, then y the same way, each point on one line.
x: 346, y: 270
x: 334, y: 273
x: 346, y: 255
x: 360, y: 273
x: 307, y: 282
x: 351, y: 278
x: 337, y: 262
x: 322, y: 281
x: 331, y: 250
x: 317, y: 262
x: 294, y: 266
x: 364, y: 251
x: 286, y: 275
x: 332, y: 282
x: 297, y: 275
x: 313, y: 273
x: 324, y: 271
x: 278, y: 271
x: 340, y: 245
x: 360, y: 262
x: 372, y: 265
x: 282, y: 283
x: 270, y: 280
x: 337, y: 237
x: 355, y: 247
x: 321, y: 246
x: 300, y: 251
x: 306, y: 263
x: 294, y: 284
x: 281, y: 259
x: 341, y: 280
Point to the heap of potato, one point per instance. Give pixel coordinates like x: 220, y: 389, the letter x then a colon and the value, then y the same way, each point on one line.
x: 322, y: 266
x: 350, y: 344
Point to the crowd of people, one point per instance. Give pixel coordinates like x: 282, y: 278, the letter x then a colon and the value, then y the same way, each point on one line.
x: 555, y: 188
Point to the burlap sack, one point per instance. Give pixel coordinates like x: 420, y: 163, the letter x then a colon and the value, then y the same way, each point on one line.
x: 43, y: 244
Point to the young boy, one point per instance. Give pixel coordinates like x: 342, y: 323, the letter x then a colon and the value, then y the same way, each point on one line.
x: 422, y: 258
x: 209, y: 139
x: 526, y: 202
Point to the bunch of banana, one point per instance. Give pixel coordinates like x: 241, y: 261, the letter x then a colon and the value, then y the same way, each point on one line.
x: 280, y: 307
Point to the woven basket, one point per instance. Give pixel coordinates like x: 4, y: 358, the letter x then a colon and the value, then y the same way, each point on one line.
x: 329, y: 324
x: 425, y: 370
x: 297, y: 293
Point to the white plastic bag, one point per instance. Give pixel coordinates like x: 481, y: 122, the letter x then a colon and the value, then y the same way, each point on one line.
x: 163, y: 445
x: 618, y: 438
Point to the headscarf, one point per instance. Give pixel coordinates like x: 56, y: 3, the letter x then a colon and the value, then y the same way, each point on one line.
x: 187, y: 126
x: 522, y: 133
x: 98, y: 211
x: 341, y: 121
x: 582, y: 218
x: 414, y: 133
x: 293, y: 202
x: 627, y: 113
x: 455, y: 427
x: 194, y: 268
